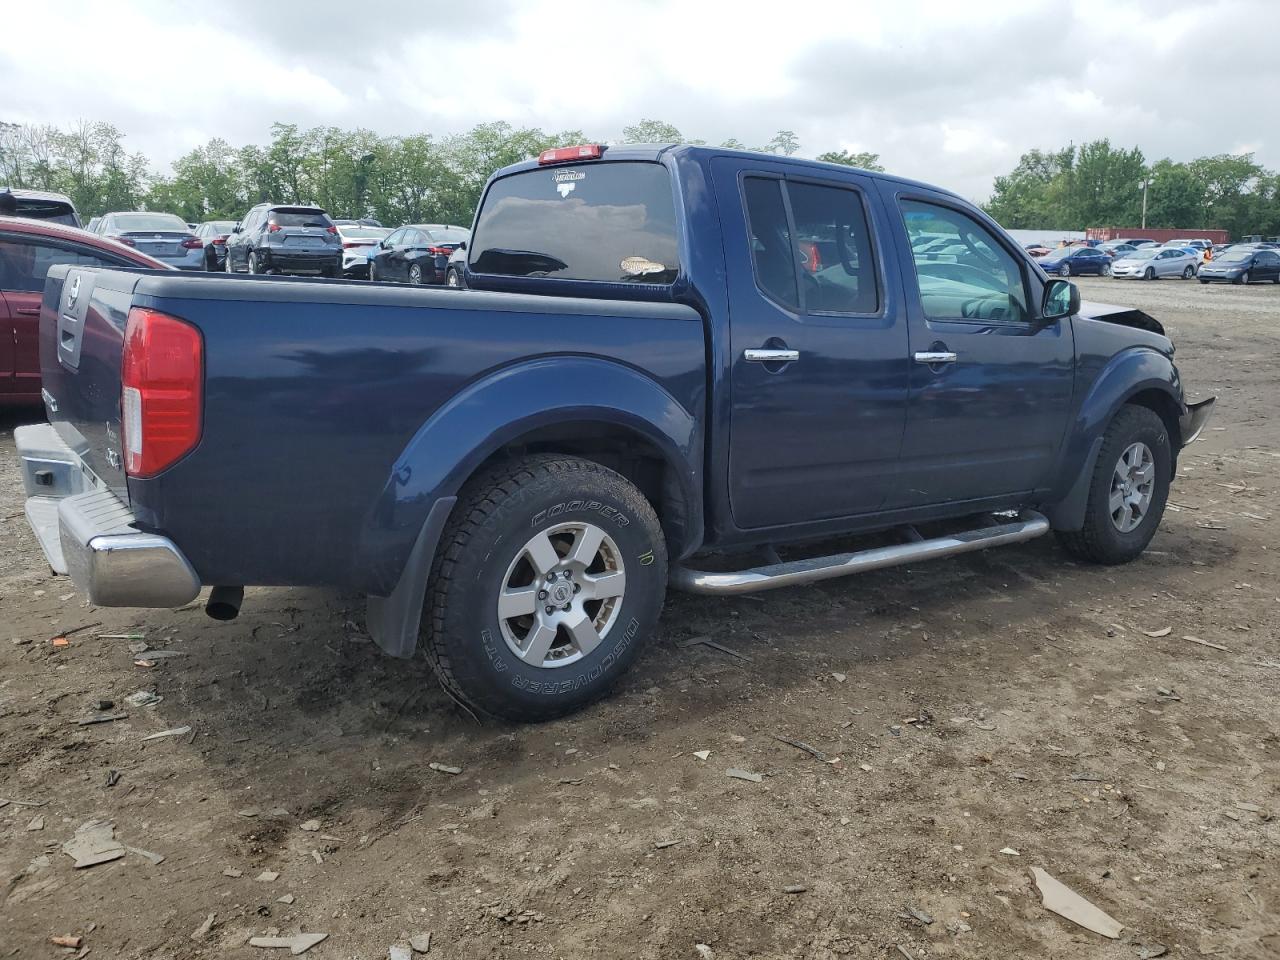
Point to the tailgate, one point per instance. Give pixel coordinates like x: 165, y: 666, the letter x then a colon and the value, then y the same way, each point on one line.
x: 82, y: 321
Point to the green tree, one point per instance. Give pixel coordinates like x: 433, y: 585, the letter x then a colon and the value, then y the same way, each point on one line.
x: 1175, y: 196
x: 652, y: 131
x: 864, y: 161
x: 784, y: 142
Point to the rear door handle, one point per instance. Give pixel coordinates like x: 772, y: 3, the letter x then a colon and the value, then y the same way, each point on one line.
x: 27, y: 311
x: 762, y: 355
x: 935, y: 356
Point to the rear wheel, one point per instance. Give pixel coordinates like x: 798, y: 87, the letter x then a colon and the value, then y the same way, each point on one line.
x: 451, y: 278
x: 253, y: 262
x: 1106, y: 269
x: 1064, y: 270
x: 550, y: 577
x: 1189, y: 272
x: 1128, y: 491
x: 415, y: 273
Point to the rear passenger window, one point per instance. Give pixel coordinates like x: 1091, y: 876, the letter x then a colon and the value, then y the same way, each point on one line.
x: 963, y: 272
x: 24, y: 266
x: 834, y: 245
x: 771, y: 252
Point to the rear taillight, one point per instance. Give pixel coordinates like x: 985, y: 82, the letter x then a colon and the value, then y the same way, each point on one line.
x: 219, y: 241
x: 331, y: 229
x: 347, y: 245
x: 272, y: 227
x: 439, y: 251
x: 192, y: 243
x: 588, y: 151
x: 162, y: 391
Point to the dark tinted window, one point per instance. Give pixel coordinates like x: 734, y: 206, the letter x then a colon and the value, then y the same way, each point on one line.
x: 614, y: 222
x: 24, y: 265
x: 834, y: 245
x: 299, y: 218
x: 975, y: 278
x: 52, y: 210
x: 770, y: 238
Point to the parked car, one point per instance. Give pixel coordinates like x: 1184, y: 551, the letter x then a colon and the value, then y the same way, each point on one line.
x: 213, y: 235
x: 1115, y: 249
x: 1242, y: 265
x: 28, y: 248
x: 43, y: 205
x: 284, y: 238
x: 1075, y: 261
x: 92, y: 225
x: 1152, y: 263
x: 161, y: 235
x: 417, y: 253
x: 358, y: 242
x: 455, y: 274
x: 362, y: 222
x: 1137, y: 241
x: 641, y: 375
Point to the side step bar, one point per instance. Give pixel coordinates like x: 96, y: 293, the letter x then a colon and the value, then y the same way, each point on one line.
x: 1028, y: 526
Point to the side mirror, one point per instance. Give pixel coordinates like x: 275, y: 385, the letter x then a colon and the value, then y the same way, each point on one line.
x: 1061, y: 299
x: 462, y: 245
x: 236, y: 228
x: 382, y: 244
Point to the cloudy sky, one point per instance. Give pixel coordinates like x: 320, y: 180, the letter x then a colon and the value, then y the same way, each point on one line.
x: 949, y: 92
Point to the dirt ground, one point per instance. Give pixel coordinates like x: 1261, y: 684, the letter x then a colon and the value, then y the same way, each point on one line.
x: 1005, y: 701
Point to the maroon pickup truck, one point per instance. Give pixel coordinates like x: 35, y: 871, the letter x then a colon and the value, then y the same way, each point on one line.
x: 28, y: 248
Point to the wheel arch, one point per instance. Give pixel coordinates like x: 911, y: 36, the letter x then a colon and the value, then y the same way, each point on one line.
x: 597, y: 409
x: 1139, y: 376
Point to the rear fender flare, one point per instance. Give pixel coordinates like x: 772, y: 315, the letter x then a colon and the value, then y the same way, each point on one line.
x: 394, y: 559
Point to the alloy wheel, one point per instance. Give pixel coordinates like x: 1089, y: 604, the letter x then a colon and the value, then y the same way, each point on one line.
x: 1133, y: 482
x: 562, y: 594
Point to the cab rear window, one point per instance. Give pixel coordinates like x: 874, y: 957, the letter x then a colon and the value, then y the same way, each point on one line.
x: 610, y: 222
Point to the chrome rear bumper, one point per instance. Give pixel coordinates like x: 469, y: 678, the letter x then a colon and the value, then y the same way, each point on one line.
x: 89, y: 534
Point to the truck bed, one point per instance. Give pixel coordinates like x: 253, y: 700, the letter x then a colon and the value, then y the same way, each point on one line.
x: 313, y: 392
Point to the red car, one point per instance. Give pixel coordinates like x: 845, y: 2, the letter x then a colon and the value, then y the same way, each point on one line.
x: 28, y: 248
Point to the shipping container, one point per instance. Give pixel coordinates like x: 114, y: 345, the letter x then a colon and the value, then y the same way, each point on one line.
x: 1157, y: 234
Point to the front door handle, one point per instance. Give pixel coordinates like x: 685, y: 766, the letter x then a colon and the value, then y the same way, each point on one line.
x: 935, y: 356
x: 763, y: 355
x: 27, y: 311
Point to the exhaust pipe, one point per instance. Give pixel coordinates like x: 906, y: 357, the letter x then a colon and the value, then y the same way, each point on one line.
x: 224, y: 602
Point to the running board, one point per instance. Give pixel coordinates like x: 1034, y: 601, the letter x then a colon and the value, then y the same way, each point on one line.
x: 1028, y: 526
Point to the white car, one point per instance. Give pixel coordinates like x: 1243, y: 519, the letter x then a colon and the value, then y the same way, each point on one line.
x: 358, y: 241
x: 1152, y: 263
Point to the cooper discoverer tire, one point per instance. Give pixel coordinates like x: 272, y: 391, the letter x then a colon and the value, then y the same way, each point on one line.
x: 1122, y: 513
x: 550, y: 576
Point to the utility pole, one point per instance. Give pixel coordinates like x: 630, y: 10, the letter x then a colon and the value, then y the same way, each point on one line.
x: 1145, y: 183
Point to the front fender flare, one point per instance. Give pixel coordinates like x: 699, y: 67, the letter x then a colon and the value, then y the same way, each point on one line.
x: 1131, y: 372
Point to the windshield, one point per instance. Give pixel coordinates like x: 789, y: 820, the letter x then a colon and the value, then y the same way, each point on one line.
x: 222, y: 226
x: 613, y: 222
x: 1236, y: 256
x: 149, y: 223
x: 300, y: 218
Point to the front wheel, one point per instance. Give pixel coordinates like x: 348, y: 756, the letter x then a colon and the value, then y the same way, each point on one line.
x: 1148, y: 274
x: 1128, y: 492
x: 1203, y: 280
x: 550, y: 578
x: 1243, y: 278
x: 373, y: 274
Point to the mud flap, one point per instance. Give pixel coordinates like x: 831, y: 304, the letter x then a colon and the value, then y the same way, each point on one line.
x: 1191, y: 423
x: 1067, y: 514
x: 394, y: 621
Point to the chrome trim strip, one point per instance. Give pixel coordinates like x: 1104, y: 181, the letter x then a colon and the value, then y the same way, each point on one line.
x: 935, y: 356
x: 770, y: 356
x: 794, y: 572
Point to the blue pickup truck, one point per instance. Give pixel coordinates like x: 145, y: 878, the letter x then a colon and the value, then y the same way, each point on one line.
x: 672, y: 365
